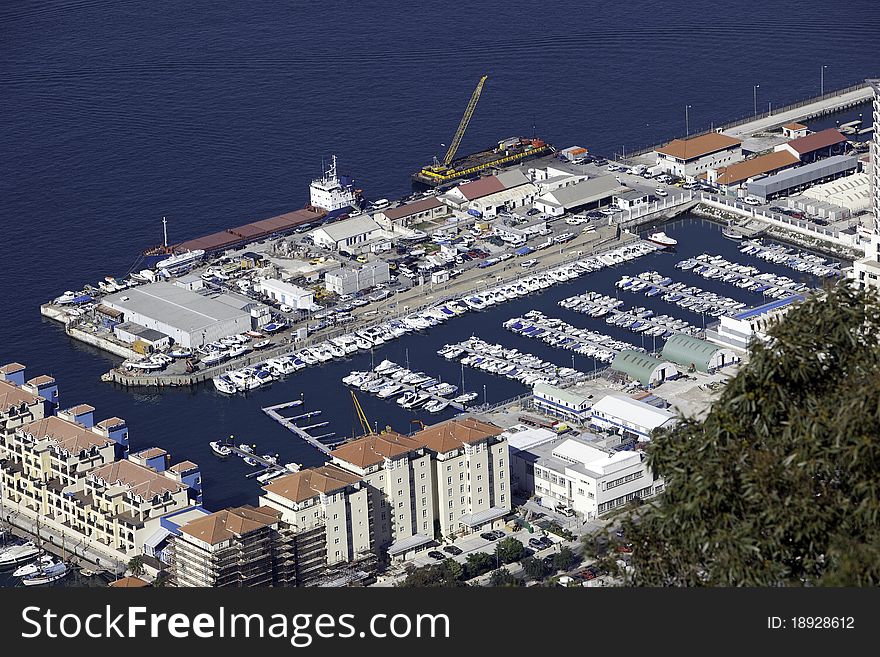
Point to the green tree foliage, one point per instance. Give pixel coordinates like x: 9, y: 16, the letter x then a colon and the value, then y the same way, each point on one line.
x: 503, y: 577
x: 436, y: 575
x: 564, y: 559
x: 478, y: 563
x: 533, y: 568
x: 779, y: 485
x: 136, y: 566
x: 509, y: 550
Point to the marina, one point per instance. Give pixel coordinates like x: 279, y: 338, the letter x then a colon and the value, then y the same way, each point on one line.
x: 638, y: 320
x: 509, y: 362
x: 793, y: 258
x: 412, y: 390
x: 291, y: 424
x: 747, y: 277
x: 561, y: 335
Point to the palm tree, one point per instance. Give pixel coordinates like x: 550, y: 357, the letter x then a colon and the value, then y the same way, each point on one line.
x: 136, y: 566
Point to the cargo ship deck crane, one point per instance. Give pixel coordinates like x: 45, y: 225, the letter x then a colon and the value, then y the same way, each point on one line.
x: 462, y: 126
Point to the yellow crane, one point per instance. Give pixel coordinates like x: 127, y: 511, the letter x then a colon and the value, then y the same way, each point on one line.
x: 462, y: 126
x: 362, y: 417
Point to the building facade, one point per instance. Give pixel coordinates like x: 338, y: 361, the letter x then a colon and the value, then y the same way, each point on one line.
x: 291, y: 295
x: 349, y: 281
x: 691, y: 157
x: 561, y: 403
x: 627, y: 416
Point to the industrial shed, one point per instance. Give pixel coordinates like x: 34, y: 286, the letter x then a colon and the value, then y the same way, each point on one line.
x: 643, y: 368
x: 686, y: 350
x: 799, y: 178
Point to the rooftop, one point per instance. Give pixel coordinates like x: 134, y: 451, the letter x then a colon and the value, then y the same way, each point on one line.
x: 768, y: 307
x: 795, y: 126
x: 586, y: 191
x: 142, y: 481
x: 129, y: 583
x: 184, y: 466
x: 482, y: 187
x: 41, y: 380
x: 174, y: 305
x: 69, y: 436
x: 341, y: 230
x: 411, y: 208
x: 638, y: 412
x: 11, y: 395
x: 746, y: 169
x: 817, y: 140
x: 371, y: 450
x: 111, y: 422
x: 11, y: 368
x: 230, y: 523
x: 455, y: 433
x: 151, y: 453
x: 311, y: 482
x: 559, y: 393
x: 696, y: 147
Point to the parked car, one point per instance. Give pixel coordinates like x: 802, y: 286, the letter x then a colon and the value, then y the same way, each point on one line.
x: 285, y: 308
x: 454, y: 550
x: 751, y: 200
x: 661, y: 192
x: 434, y: 554
x: 492, y: 536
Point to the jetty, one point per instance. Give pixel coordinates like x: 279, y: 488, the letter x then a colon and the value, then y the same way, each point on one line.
x: 291, y: 425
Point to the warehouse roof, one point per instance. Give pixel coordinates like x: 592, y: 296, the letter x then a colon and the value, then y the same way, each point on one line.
x: 341, y: 230
x: 817, y: 140
x: 410, y: 209
x: 768, y: 163
x: 586, y: 191
x: 482, y: 187
x: 559, y: 393
x: 695, y: 147
x: 637, y: 365
x: 818, y: 169
x: 685, y: 350
x: 176, y: 306
x: 768, y: 307
x: 633, y: 410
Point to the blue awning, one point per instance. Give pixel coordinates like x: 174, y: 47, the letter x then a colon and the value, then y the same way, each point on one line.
x: 524, y: 250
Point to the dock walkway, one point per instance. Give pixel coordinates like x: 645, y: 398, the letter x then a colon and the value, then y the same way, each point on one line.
x: 290, y: 425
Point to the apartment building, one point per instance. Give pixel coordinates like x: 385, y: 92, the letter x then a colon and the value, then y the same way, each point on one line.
x: 327, y: 511
x: 396, y: 473
x: 471, y: 474
x: 239, y: 547
x: 64, y: 471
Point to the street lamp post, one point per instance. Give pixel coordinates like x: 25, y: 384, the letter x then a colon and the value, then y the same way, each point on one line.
x: 687, y: 129
x: 755, y: 94
x: 822, y: 79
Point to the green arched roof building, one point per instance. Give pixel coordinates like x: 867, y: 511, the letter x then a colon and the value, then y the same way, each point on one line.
x: 686, y: 350
x: 645, y: 369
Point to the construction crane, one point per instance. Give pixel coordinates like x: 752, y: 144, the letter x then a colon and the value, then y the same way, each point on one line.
x: 362, y: 417
x: 462, y: 126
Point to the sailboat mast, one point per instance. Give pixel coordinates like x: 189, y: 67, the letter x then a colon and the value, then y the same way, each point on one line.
x: 164, y: 232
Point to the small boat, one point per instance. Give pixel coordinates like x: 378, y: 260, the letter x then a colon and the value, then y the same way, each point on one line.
x: 181, y: 353
x: 219, y: 449
x: 246, y: 448
x: 436, y: 405
x: 46, y: 575
x: 262, y: 344
x: 250, y: 461
x: 731, y: 234
x: 465, y: 398
x: 18, y: 554
x: 662, y: 239
x: 224, y: 385
x: 34, y: 566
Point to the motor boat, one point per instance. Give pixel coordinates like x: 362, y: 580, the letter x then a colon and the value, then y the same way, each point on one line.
x: 251, y: 461
x: 662, y: 239
x: 220, y: 449
x: 18, y: 554
x: 465, y: 398
x: 181, y: 353
x: 224, y: 385
x: 436, y: 405
x: 34, y: 567
x: 46, y: 575
x: 262, y: 344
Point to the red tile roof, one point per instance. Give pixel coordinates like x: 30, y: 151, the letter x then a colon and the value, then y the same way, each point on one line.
x: 482, y: 187
x: 412, y: 208
x: 690, y: 149
x: 817, y: 140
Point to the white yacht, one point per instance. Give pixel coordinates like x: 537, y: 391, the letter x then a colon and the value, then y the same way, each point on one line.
x: 224, y: 385
x: 18, y: 554
x: 46, y: 575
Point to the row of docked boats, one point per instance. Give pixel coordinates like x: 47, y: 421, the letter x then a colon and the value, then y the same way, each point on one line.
x: 411, y: 389
x: 638, y: 320
x: 690, y: 298
x: 561, y: 335
x: 248, y: 455
x: 254, y: 376
x: 509, y: 362
x: 802, y: 261
x: 748, y: 277
x: 32, y: 567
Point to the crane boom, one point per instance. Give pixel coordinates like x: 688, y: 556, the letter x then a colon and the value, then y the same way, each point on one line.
x: 462, y: 126
x: 362, y: 417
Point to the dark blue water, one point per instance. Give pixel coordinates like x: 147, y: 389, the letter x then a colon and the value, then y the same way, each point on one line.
x: 114, y: 114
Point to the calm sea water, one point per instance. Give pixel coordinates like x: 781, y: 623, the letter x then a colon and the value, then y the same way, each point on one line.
x: 116, y: 113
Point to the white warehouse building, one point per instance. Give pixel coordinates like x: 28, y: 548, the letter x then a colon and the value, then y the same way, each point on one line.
x: 623, y: 414
x: 581, y: 475
x: 349, y: 281
x: 190, y: 319
x: 294, y: 296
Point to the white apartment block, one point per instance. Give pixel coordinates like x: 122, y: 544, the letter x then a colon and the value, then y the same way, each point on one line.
x: 327, y: 509
x: 396, y: 472
x: 471, y: 474
x: 582, y: 476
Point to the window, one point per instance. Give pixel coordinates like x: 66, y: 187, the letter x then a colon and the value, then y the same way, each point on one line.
x: 479, y: 477
x: 336, y: 541
x: 450, y: 503
x: 335, y: 516
x: 423, y: 489
x: 448, y: 468
x: 424, y: 501
x: 502, y: 498
x: 422, y: 476
x: 399, y: 480
x: 400, y: 505
x: 424, y: 513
